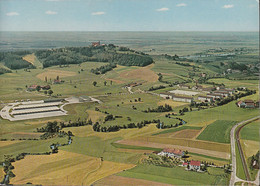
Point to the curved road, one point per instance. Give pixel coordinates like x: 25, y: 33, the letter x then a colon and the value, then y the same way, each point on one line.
x: 233, y: 139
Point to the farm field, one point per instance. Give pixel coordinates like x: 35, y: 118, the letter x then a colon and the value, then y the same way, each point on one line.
x: 115, y: 158
x: 251, y: 131
x: 164, y: 175
x: 64, y: 168
x: 118, y: 180
x: 219, y: 131
x: 249, y: 141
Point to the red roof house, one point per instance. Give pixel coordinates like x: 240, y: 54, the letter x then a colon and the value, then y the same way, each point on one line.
x: 195, y: 165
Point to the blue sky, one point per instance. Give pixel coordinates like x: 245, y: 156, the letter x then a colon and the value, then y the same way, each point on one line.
x: 129, y: 15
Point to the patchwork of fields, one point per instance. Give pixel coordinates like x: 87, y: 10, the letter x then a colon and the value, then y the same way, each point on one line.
x: 115, y: 158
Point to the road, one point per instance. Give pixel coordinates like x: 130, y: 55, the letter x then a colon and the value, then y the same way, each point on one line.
x: 233, y: 139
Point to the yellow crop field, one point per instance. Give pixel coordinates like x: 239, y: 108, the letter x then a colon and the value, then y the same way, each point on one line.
x: 30, y: 58
x: 107, y: 168
x: 171, y: 103
x: 202, y: 124
x: 145, y: 142
x: 64, y: 168
x: 41, y: 121
x: 51, y: 73
x: 126, y: 134
x: 95, y: 115
x: 250, y: 147
x: 6, y: 143
x: 119, y: 180
x: 189, y: 143
x: 2, y: 174
x: 25, y: 135
x: 142, y: 73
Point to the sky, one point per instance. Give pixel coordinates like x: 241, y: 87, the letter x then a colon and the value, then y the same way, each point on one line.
x: 129, y: 15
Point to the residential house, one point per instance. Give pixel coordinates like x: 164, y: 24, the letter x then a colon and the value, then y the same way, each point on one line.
x: 205, y: 98
x: 172, y: 153
x: 194, y: 165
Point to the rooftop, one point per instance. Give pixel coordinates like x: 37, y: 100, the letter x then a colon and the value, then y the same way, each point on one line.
x: 174, y: 151
x: 195, y: 163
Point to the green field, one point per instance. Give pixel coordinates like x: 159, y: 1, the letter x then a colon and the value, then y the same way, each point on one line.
x: 250, y: 131
x: 177, y: 129
x: 181, y: 177
x: 240, y: 169
x: 219, y: 131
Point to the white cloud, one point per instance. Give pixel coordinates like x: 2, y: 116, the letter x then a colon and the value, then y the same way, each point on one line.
x: 181, y: 4
x: 162, y: 9
x: 12, y: 14
x: 98, y: 13
x: 228, y: 6
x: 49, y: 12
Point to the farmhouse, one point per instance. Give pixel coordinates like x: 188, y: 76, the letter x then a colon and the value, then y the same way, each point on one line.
x: 95, y: 44
x: 195, y: 165
x: 32, y: 87
x: 182, y: 98
x: 172, y: 153
x: 249, y: 103
x: 241, y: 104
x: 205, y: 98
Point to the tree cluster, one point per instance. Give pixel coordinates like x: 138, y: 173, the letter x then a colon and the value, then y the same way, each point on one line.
x: 161, y: 108
x: 156, y: 88
x: 14, y: 60
x: 103, y: 69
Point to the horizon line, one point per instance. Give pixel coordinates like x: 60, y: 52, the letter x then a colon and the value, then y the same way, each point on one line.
x: 129, y: 31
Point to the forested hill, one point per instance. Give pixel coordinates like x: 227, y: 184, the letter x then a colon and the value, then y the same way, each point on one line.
x: 107, y: 53
x: 76, y: 55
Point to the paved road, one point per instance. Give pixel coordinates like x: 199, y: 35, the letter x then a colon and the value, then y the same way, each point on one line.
x: 234, y: 177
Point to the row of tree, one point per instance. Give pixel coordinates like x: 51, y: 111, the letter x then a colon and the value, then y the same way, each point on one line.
x: 99, y: 128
